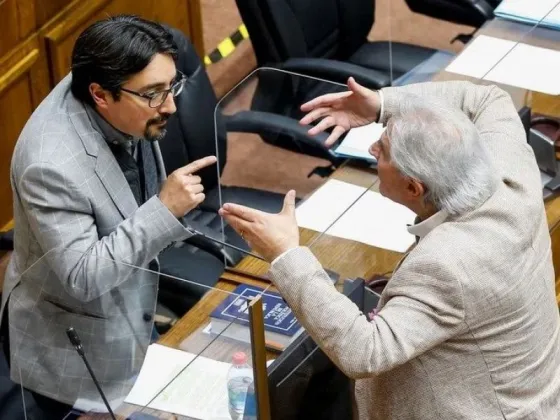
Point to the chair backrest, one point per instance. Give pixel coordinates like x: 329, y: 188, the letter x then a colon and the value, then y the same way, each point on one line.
x: 465, y: 12
x: 190, y: 131
x: 283, y: 29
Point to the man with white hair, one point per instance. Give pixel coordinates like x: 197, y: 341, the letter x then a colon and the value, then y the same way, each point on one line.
x: 467, y: 327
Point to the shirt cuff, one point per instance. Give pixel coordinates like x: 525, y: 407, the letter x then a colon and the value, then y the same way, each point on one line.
x: 281, y: 255
x: 380, y: 106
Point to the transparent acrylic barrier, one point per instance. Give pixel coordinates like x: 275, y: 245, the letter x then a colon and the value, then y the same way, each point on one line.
x: 70, y: 302
x: 265, y: 107
x: 363, y: 255
x: 111, y: 307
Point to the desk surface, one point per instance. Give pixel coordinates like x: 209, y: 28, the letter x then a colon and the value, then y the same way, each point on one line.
x: 539, y: 37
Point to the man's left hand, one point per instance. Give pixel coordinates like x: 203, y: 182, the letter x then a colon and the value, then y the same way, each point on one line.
x: 268, y: 234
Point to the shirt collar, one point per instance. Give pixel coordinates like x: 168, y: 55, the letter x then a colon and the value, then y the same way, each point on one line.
x: 421, y: 229
x: 110, y: 133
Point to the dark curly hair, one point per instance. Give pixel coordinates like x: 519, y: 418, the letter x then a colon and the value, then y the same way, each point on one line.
x: 112, y: 50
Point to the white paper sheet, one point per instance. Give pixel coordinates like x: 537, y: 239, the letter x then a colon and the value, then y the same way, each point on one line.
x: 524, y: 66
x: 373, y: 219
x: 358, y: 141
x: 199, y: 392
x: 327, y: 203
x: 531, y: 11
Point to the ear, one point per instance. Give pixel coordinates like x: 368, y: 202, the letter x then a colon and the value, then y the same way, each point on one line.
x: 416, y: 189
x: 100, y: 96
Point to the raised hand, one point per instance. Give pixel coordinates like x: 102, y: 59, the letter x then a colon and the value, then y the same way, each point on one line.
x: 354, y: 108
x: 183, y: 191
x: 266, y: 233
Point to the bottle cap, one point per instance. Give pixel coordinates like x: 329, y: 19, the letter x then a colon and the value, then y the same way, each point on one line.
x: 239, y: 358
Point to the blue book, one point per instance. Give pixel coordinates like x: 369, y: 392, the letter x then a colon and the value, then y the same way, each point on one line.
x: 231, y: 317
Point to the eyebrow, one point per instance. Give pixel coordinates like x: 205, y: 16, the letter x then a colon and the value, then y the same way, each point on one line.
x: 156, y: 85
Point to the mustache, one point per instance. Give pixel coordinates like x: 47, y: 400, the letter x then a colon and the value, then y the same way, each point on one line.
x: 158, y: 120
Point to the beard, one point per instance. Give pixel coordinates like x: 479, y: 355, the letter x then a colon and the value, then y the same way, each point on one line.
x: 153, y: 132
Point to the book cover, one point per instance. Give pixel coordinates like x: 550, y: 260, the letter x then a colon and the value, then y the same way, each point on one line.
x: 278, y: 317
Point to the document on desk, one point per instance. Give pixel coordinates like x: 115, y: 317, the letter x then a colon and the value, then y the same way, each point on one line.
x: 358, y: 140
x: 544, y: 12
x: 363, y: 216
x: 502, y: 61
x: 200, y: 391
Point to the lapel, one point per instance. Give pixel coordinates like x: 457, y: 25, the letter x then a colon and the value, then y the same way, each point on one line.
x: 106, y: 166
x: 162, y: 174
x: 112, y: 178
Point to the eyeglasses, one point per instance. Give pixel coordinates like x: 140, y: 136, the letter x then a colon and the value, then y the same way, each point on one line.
x: 156, y: 99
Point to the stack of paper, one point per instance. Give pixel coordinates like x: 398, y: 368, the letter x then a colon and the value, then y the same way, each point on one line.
x: 358, y: 140
x: 200, y: 390
x: 352, y: 212
x: 542, y: 12
x: 503, y: 61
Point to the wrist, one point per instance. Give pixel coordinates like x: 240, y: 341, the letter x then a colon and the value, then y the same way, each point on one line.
x: 379, y: 107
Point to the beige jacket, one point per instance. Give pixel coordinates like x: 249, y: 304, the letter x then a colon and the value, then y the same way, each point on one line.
x: 468, y: 326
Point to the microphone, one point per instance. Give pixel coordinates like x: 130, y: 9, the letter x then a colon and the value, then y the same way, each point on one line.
x: 196, y: 232
x: 77, y: 343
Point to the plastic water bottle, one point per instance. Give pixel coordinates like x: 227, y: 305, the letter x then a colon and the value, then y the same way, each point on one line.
x: 240, y: 377
x: 250, y: 412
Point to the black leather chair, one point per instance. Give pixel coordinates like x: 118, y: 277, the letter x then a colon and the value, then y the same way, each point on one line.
x: 190, y: 136
x: 465, y: 12
x: 326, y: 38
x: 321, y: 38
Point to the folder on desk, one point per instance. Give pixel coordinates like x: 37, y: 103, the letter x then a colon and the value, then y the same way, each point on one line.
x: 358, y: 140
x: 545, y: 13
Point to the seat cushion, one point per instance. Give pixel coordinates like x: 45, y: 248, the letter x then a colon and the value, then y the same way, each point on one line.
x: 375, y: 55
x: 268, y: 201
x: 187, y: 273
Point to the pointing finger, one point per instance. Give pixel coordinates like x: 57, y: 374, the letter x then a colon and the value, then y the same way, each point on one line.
x: 242, y: 212
x: 197, y: 165
x: 335, y: 135
x: 327, y: 122
x: 324, y: 100
x: 315, y: 114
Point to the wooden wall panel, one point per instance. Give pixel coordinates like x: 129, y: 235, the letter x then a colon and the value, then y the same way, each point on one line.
x: 15, y: 107
x: 23, y: 84
x: 45, y: 10
x: 9, y: 23
x: 62, y: 32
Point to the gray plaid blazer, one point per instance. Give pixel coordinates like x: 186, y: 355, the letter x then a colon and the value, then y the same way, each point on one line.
x: 74, y: 216
x: 468, y: 326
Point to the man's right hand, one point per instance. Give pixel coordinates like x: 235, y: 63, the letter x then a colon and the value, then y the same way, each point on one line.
x: 354, y: 108
x: 182, y: 191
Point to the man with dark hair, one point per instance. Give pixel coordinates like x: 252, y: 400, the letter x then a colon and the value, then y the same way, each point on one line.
x: 90, y: 188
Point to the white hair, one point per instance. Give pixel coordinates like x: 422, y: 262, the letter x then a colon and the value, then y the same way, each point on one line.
x: 440, y: 147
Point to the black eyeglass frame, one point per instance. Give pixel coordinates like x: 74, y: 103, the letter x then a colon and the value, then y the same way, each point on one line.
x: 176, y: 88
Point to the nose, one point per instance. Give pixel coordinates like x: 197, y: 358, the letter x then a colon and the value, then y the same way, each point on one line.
x: 168, y: 106
x: 374, y: 149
